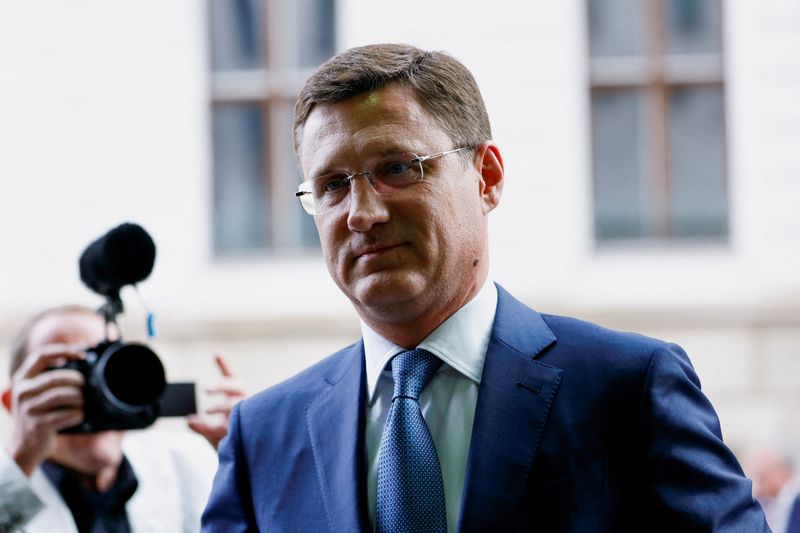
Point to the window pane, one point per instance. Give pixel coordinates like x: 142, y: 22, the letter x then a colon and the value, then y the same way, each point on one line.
x: 616, y: 27
x: 314, y: 31
x: 618, y: 138
x: 692, y: 26
x: 698, y: 196
x: 240, y: 203
x: 255, y: 174
x: 236, y: 34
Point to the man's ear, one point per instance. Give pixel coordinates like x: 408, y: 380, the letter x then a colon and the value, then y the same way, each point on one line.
x: 489, y: 163
x: 7, y: 399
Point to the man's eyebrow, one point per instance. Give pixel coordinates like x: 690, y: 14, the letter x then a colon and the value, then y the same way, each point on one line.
x: 396, y: 149
x: 327, y: 172
x: 327, y: 166
x: 331, y: 167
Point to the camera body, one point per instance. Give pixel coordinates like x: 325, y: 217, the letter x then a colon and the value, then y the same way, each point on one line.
x: 123, y: 385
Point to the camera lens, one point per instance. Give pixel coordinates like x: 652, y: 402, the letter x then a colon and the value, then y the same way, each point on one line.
x: 133, y: 374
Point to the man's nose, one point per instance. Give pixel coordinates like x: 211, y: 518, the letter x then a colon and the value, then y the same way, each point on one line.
x: 367, y: 207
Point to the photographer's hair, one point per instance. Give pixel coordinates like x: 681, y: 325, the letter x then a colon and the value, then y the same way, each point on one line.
x: 442, y: 84
x: 20, y: 346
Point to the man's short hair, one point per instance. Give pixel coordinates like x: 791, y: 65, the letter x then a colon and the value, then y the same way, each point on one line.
x: 20, y: 345
x: 442, y: 84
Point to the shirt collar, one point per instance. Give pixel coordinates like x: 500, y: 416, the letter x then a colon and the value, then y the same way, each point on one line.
x: 460, y: 341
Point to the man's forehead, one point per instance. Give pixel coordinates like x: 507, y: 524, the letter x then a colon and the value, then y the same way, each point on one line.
x: 66, y: 327
x: 385, y: 103
x: 387, y: 118
x: 370, y: 101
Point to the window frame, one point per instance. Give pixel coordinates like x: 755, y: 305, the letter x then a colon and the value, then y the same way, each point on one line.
x: 272, y: 87
x: 656, y: 74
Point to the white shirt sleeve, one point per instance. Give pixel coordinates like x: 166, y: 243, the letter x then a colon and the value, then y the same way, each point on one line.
x: 18, y: 503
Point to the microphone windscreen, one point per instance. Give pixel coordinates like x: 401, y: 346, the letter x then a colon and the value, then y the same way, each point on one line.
x: 125, y: 255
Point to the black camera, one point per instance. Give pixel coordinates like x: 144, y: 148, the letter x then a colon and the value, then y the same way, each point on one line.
x: 125, y: 386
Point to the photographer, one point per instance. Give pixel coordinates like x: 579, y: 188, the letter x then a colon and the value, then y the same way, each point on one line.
x: 109, y: 481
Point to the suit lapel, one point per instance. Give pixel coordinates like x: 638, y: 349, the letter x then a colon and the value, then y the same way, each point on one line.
x: 336, y: 424
x: 514, y: 399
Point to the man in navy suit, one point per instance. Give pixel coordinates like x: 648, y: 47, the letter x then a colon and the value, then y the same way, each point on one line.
x: 539, y: 422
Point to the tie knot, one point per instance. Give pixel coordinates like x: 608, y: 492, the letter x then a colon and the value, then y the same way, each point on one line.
x: 412, y: 370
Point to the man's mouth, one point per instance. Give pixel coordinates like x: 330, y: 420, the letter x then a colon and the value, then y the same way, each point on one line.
x: 376, y: 250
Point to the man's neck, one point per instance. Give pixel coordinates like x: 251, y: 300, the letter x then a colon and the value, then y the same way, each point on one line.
x: 410, y: 333
x: 100, y: 481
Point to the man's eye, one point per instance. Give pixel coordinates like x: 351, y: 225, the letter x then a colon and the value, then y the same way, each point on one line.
x: 396, y: 167
x: 334, y: 184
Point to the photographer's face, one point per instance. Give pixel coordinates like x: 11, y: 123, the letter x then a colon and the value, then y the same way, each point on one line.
x: 91, y: 452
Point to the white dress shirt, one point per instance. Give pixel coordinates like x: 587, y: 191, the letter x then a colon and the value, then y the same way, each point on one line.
x: 447, y: 402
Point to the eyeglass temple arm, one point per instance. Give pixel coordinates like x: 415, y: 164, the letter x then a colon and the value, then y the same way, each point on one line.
x: 422, y: 158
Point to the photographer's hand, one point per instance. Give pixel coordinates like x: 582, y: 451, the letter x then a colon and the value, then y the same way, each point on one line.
x: 41, y: 403
x: 214, y: 428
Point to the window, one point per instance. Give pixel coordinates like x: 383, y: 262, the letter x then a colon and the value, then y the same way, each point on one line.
x: 657, y: 119
x: 261, y: 53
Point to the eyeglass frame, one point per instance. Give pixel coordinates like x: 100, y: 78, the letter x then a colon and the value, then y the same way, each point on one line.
x: 348, y: 178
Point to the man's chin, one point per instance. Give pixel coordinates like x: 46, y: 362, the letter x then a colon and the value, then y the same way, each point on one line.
x: 387, y: 292
x: 89, y: 453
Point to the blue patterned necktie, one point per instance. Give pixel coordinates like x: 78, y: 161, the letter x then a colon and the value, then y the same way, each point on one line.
x: 410, y: 490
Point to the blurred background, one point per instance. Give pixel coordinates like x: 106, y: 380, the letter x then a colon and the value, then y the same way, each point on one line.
x: 651, y: 149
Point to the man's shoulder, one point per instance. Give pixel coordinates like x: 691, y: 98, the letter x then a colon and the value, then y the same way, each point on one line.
x: 175, y: 470
x: 577, y: 345
x: 574, y: 335
x: 607, y: 353
x: 579, y: 333
x: 178, y: 457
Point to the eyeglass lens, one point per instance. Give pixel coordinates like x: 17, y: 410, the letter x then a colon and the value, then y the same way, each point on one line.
x: 387, y: 175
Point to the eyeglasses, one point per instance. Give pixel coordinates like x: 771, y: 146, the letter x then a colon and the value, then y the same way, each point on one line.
x: 387, y: 175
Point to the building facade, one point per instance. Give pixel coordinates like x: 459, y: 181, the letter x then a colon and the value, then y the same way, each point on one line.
x: 653, y: 175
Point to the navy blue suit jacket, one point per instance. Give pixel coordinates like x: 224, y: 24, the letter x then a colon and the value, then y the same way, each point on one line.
x: 577, y: 429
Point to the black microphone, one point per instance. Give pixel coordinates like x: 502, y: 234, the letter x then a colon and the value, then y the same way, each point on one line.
x: 125, y: 384
x: 123, y: 256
